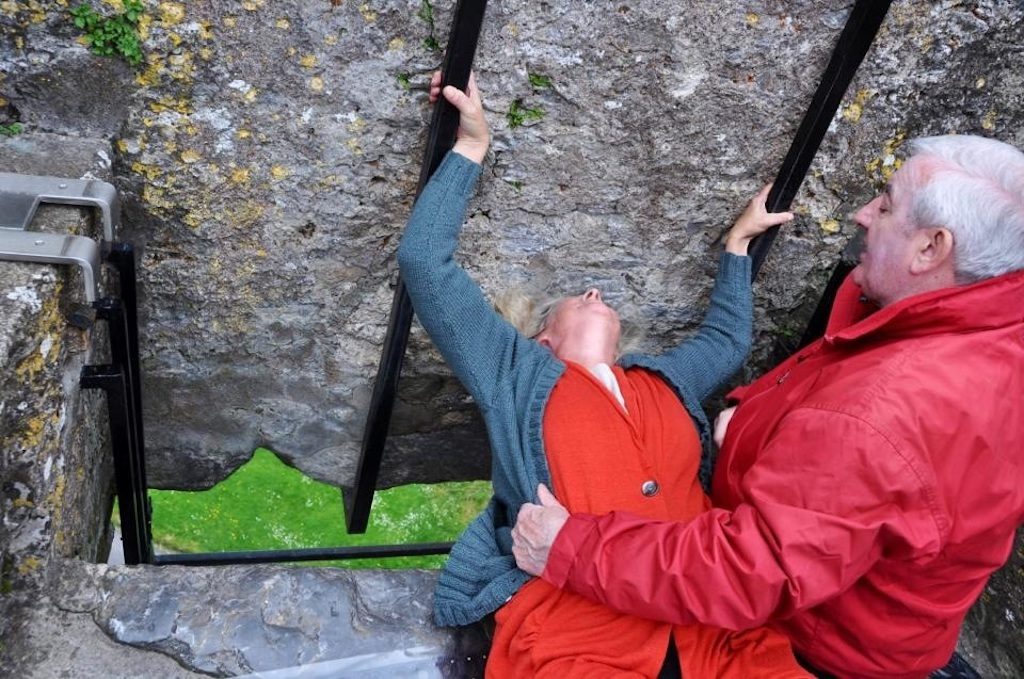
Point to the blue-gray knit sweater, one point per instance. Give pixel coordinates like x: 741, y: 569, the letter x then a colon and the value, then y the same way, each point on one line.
x: 511, y: 377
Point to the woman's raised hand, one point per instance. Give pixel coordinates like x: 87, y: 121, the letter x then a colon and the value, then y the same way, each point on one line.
x: 754, y: 221
x: 473, y: 137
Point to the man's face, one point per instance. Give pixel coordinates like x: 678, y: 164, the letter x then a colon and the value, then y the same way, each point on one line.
x: 884, y: 269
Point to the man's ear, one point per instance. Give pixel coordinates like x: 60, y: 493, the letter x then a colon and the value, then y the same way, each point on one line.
x: 934, y: 248
x: 543, y: 340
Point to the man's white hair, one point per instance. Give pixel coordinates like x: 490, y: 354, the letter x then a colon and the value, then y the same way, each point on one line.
x: 977, y: 192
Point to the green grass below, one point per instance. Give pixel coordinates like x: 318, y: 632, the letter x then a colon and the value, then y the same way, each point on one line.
x: 265, y: 504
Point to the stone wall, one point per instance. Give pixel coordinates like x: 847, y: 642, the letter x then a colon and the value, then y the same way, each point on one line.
x: 54, y: 471
x: 268, y: 154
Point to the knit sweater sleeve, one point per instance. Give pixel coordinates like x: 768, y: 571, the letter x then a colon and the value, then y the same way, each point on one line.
x: 475, y: 341
x: 708, y: 358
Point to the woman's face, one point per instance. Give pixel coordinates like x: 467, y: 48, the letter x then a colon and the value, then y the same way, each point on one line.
x: 581, y: 324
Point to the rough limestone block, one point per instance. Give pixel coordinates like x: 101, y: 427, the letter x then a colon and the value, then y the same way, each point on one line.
x: 55, y: 469
x: 226, y: 621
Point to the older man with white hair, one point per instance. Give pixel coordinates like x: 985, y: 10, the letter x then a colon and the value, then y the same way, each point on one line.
x: 867, y: 487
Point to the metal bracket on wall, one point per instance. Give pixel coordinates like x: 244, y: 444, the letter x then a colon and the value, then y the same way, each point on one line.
x: 22, y: 194
x: 20, y: 198
x: 54, y: 248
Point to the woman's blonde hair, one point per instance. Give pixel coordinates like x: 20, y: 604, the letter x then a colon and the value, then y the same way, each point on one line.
x: 528, y: 313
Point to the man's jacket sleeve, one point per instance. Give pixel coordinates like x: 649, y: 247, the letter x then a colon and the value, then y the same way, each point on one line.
x: 828, y: 497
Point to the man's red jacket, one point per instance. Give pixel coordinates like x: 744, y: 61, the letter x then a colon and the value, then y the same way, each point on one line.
x: 867, y: 488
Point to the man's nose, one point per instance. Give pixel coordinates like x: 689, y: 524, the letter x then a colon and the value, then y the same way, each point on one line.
x: 592, y: 295
x: 865, y: 215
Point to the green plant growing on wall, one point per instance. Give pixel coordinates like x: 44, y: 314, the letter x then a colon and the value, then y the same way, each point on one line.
x: 518, y: 114
x: 426, y: 13
x: 11, y: 129
x: 539, y: 82
x: 114, y: 35
x: 403, y: 80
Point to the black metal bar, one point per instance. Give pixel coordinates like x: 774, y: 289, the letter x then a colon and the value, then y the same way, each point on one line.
x: 313, y: 554
x: 128, y: 456
x: 462, y: 42
x: 819, y: 319
x: 134, y: 522
x: 122, y: 257
x: 861, y: 27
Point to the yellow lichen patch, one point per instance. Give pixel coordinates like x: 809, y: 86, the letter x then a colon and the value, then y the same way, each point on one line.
x: 116, y: 5
x: 22, y: 502
x: 396, y: 44
x: 330, y: 39
x: 353, y: 145
x: 292, y: 51
x: 181, y: 63
x: 206, y: 30
x: 150, y: 172
x: 29, y: 564
x: 829, y: 225
x: 250, y: 95
x: 283, y: 24
x: 244, y: 215
x: 151, y: 75
x: 196, y: 218
x: 174, y: 38
x: 369, y: 16
x: 308, y: 61
x: 853, y: 112
x: 989, y: 121
x: 331, y: 180
x: 316, y: 83
x: 56, y: 496
x: 171, y: 13
x: 260, y: 252
x: 205, y: 53
x: 121, y: 145
x: 752, y: 19
x: 156, y: 197
x: 30, y: 366
x: 229, y: 21
x: 243, y: 134
x: 144, y: 25
x: 190, y: 156
x: 884, y: 167
x: 251, y: 5
x: 191, y: 130
x: 240, y: 175
x: 855, y: 109
x: 170, y: 104
x: 979, y: 83
x: 357, y: 125
x: 32, y: 434
x: 3, y: 102
x: 278, y: 172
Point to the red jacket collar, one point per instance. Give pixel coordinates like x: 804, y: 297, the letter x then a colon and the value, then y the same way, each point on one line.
x: 991, y: 303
